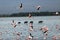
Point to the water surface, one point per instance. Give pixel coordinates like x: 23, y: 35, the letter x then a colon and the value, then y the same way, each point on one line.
x: 7, y: 29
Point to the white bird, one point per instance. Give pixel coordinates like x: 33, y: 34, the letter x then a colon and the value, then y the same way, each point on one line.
x: 38, y: 7
x: 21, y: 5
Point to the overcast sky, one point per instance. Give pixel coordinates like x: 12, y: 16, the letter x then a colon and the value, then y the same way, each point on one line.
x: 12, y: 6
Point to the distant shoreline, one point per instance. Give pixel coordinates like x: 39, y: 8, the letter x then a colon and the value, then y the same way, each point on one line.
x: 21, y: 14
x: 27, y: 16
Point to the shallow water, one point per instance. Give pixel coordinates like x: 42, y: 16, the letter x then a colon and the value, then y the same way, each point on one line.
x: 7, y: 29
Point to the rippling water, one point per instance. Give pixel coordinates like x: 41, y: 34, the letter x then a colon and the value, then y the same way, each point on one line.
x: 7, y: 30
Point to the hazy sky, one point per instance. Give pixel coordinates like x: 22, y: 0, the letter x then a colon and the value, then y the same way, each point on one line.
x: 12, y: 6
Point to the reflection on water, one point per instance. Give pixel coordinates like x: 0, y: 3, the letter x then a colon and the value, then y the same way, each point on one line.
x: 8, y: 32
